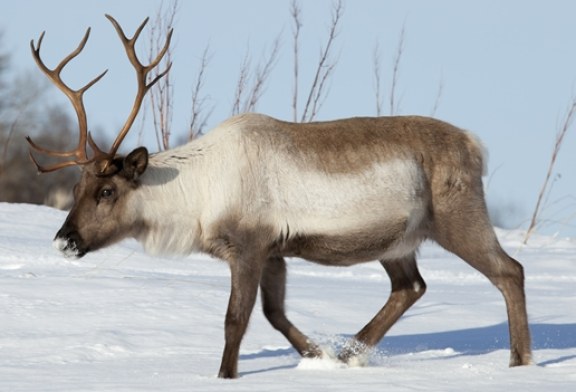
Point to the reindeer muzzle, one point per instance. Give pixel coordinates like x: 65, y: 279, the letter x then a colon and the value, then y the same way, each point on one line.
x: 70, y: 243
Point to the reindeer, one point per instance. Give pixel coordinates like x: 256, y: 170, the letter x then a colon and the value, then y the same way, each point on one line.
x: 256, y: 190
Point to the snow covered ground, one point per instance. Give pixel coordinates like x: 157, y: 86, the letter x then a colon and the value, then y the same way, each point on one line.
x: 118, y: 320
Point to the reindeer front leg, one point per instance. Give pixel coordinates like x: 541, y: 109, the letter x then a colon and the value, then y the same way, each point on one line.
x: 244, y: 289
x: 273, y: 291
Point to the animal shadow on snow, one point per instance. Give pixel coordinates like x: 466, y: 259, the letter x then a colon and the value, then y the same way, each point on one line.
x: 465, y: 342
x: 269, y: 353
x: 484, y: 340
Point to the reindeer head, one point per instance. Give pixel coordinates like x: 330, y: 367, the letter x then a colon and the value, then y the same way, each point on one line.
x: 98, y: 217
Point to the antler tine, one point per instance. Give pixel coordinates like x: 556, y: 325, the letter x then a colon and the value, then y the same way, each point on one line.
x: 141, y: 74
x: 51, y: 168
x: 76, y: 98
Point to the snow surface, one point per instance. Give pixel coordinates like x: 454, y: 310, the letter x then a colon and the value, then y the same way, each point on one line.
x: 119, y: 320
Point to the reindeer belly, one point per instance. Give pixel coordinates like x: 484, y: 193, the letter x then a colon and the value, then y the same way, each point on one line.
x: 347, y: 219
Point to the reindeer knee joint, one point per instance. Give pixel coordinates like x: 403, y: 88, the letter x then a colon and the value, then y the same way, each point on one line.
x: 419, y: 287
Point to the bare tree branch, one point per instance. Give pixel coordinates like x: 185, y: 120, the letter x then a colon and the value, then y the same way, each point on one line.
x: 568, y: 120
x: 241, y: 84
x: 261, y: 75
x: 246, y: 98
x: 439, y: 93
x: 295, y: 12
x: 395, y: 71
x: 162, y: 92
x: 321, y: 96
x: 376, y: 64
x: 199, y: 118
x: 325, y: 67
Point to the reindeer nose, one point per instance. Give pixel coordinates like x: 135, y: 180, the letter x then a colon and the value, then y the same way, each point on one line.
x: 69, y: 242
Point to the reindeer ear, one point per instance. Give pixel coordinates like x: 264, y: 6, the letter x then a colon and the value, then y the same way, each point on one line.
x: 135, y: 163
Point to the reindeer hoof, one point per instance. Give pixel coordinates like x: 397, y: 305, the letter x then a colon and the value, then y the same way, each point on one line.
x: 354, y: 354
x: 313, y: 351
x: 521, y: 360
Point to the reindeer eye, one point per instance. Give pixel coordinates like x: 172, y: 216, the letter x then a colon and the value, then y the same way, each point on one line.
x: 106, y: 193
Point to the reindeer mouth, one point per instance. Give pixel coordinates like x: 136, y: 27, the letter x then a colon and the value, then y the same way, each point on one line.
x: 69, y: 247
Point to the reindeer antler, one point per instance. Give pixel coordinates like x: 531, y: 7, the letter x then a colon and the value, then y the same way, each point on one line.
x: 75, y: 96
x: 141, y: 74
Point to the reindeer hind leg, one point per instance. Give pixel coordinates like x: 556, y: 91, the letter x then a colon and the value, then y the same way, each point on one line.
x: 407, y: 287
x: 465, y: 230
